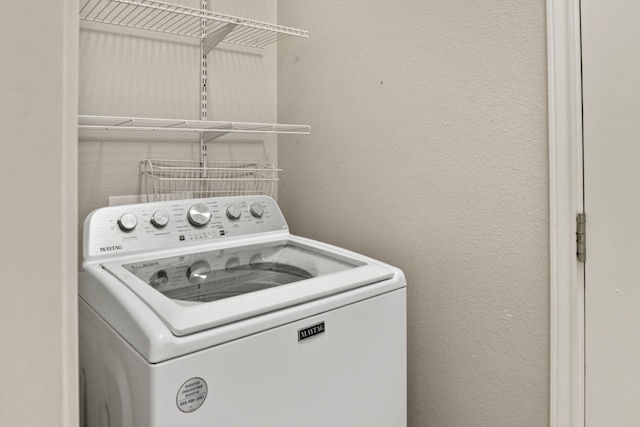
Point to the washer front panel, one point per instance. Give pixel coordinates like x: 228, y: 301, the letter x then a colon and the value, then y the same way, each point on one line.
x: 146, y: 227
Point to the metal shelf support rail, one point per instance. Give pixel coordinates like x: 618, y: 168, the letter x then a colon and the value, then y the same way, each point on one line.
x: 204, y: 80
x: 185, y: 21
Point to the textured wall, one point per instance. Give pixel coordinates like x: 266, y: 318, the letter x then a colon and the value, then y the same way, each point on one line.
x: 429, y: 151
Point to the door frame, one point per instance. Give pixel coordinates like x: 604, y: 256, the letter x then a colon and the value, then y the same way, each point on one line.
x: 565, y: 202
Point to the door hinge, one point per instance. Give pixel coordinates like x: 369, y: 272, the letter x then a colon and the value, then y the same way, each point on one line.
x: 581, y: 236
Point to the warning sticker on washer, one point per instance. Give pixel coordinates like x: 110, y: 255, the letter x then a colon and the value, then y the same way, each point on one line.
x: 191, y: 395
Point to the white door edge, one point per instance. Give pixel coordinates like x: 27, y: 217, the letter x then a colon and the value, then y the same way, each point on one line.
x: 566, y: 200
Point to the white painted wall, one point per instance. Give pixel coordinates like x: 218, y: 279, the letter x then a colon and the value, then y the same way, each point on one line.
x: 429, y: 150
x: 38, y: 107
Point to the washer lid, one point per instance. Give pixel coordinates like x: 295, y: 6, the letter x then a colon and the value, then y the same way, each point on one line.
x: 197, y: 291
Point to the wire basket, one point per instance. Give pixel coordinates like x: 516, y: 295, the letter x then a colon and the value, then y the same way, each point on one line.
x: 186, y: 179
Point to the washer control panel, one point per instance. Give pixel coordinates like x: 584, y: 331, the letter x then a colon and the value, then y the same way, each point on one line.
x: 118, y: 230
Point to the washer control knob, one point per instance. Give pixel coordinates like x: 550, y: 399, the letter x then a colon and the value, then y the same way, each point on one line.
x: 256, y: 259
x: 127, y: 222
x: 233, y: 211
x: 159, y: 219
x: 198, y: 272
x: 159, y: 279
x: 199, y: 215
x: 256, y: 209
x: 232, y: 263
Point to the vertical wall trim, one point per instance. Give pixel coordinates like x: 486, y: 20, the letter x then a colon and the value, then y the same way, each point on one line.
x: 69, y: 207
x: 566, y: 200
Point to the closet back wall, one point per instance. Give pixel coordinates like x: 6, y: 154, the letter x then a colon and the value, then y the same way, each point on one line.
x: 429, y: 150
x: 133, y: 73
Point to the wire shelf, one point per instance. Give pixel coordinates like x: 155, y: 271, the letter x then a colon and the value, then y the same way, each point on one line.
x: 187, y: 179
x: 185, y: 21
x: 179, y: 125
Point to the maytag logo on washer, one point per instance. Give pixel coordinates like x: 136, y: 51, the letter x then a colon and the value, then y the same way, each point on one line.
x: 310, y: 331
x: 111, y: 248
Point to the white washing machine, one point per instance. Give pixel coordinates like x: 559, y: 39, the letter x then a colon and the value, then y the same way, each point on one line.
x: 208, y: 312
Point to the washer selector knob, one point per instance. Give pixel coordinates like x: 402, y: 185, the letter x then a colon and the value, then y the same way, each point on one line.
x: 199, y: 215
x: 256, y: 209
x: 233, y: 211
x: 159, y: 219
x: 232, y: 264
x: 127, y: 222
x: 159, y: 279
x: 198, y: 272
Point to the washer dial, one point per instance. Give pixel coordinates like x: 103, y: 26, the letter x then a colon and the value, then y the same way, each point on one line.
x: 198, y: 272
x: 233, y: 211
x: 159, y: 279
x: 159, y: 219
x: 256, y: 209
x: 127, y: 222
x: 199, y: 215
